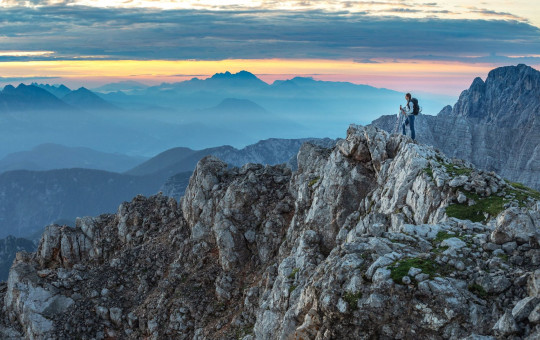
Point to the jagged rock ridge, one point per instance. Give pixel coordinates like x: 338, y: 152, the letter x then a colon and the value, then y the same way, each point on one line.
x: 356, y: 244
x: 495, y: 124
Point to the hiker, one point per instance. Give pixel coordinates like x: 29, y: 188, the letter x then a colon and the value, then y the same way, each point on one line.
x: 410, y: 110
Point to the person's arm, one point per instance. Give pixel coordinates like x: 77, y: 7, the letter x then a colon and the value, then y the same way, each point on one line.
x: 408, y: 110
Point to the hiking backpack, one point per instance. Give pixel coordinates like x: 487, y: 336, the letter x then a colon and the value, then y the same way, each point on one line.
x: 416, y: 108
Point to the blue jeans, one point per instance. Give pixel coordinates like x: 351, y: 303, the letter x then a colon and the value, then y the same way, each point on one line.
x: 409, y: 121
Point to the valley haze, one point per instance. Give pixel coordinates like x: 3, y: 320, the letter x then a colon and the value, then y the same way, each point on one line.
x: 234, y: 109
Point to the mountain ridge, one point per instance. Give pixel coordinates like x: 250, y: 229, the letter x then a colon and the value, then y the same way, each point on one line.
x: 50, y: 156
x: 29, y: 97
x: 494, y: 124
x: 339, y: 249
x: 87, y: 100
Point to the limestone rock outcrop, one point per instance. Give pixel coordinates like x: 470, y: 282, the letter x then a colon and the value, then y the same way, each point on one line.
x: 495, y: 124
x: 377, y: 237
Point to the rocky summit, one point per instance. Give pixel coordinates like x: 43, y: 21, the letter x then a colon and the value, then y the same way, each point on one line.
x: 378, y: 237
x: 495, y: 124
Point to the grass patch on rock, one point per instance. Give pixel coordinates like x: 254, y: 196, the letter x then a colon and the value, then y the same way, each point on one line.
x: 440, y: 250
x: 478, y: 290
x: 313, y: 181
x: 483, y: 209
x: 401, y: 268
x: 429, y: 171
x: 352, y: 299
x: 522, y: 193
x: 442, y: 235
x: 293, y: 273
x: 503, y: 257
x: 455, y: 170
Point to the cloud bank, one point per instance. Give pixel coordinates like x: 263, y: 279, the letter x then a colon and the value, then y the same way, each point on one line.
x: 82, y: 32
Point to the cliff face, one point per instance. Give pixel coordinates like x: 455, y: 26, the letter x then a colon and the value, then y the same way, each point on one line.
x: 495, y: 124
x: 356, y: 244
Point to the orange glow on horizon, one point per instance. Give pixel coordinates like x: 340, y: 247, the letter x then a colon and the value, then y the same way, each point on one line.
x: 428, y: 76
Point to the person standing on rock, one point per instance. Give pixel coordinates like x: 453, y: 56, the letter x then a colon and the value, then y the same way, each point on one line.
x: 410, y: 111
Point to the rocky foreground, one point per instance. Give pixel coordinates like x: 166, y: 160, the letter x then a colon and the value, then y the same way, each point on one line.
x: 362, y: 242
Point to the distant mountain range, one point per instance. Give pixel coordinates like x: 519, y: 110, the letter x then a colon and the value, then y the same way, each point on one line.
x: 9, y: 247
x: 495, y: 124
x: 87, y: 100
x: 236, y: 109
x: 54, y: 156
x: 58, y: 90
x: 298, y: 95
x: 30, y: 98
x: 270, y: 151
x: 29, y: 200
x: 120, y: 86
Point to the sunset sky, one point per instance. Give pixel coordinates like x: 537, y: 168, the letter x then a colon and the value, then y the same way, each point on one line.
x: 403, y: 45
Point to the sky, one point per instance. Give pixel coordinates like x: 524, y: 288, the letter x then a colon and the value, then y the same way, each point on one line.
x: 412, y: 45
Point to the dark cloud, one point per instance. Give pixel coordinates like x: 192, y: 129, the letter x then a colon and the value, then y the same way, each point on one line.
x: 366, y: 61
x: 490, y: 58
x: 488, y: 12
x: 76, y: 32
x: 402, y: 10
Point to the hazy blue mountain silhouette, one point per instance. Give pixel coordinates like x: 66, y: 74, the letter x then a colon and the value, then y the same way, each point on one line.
x: 29, y: 97
x: 58, y: 90
x: 127, y: 85
x: 235, y: 109
x: 178, y: 160
x: 29, y: 200
x: 9, y: 247
x: 87, y: 100
x: 54, y: 156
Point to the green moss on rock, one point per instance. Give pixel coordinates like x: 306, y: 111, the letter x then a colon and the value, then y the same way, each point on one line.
x: 352, y: 299
x: 401, y: 268
x: 478, y: 290
x: 313, y: 181
x: 483, y: 209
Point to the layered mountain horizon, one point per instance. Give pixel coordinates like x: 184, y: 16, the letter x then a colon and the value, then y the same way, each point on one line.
x: 451, y: 130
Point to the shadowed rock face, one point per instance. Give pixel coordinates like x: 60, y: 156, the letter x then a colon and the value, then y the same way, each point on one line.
x: 495, y: 124
x: 355, y: 244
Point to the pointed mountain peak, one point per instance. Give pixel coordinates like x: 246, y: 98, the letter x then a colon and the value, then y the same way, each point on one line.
x: 57, y: 90
x: 246, y: 74
x: 478, y: 85
x: 477, y: 82
x: 84, y: 90
x: 86, y: 99
x: 239, y: 75
x: 8, y: 88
